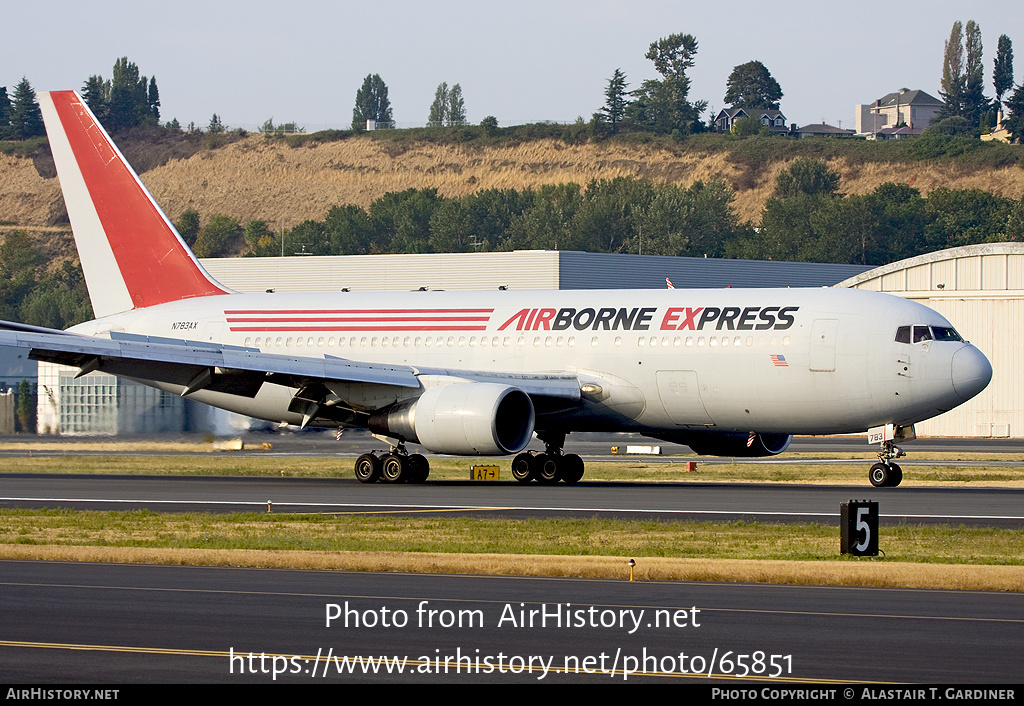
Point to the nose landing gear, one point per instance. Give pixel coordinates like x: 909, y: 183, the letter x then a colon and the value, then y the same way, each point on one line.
x: 885, y: 473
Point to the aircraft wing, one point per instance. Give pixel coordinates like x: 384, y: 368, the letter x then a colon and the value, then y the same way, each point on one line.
x: 238, y: 370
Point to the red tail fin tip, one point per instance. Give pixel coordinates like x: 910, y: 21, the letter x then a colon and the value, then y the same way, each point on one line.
x: 131, y: 254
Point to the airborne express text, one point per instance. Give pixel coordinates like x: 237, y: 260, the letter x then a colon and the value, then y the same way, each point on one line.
x: 676, y: 318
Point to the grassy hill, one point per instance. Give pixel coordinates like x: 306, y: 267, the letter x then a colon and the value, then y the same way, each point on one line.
x: 288, y: 180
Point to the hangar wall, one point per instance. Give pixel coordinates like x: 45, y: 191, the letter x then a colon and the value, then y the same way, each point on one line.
x: 520, y: 269
x: 980, y: 289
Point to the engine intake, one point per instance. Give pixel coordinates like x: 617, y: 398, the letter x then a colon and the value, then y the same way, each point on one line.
x: 462, y: 418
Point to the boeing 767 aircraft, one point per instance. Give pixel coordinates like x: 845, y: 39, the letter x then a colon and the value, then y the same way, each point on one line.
x: 729, y: 372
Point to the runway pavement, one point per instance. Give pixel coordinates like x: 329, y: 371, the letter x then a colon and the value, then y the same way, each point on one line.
x: 78, y: 623
x: 776, y: 502
x: 128, y: 624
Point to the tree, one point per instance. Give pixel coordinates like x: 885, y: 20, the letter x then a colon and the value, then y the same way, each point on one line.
x: 615, y: 102
x: 663, y: 106
x: 974, y: 101
x: 260, y: 238
x: 673, y: 55
x: 807, y: 176
x: 153, y: 101
x: 219, y: 237
x: 456, y: 106
x: 26, y: 118
x: 963, y: 217
x: 749, y: 125
x: 348, y: 230
x: 215, y: 125
x: 371, y: 103
x: 401, y: 220
x: 490, y: 125
x: 751, y: 85
x: 188, y: 226
x: 96, y: 93
x: 133, y: 99
x: 5, y: 114
x: 1002, y: 74
x: 1014, y: 120
x: 439, y: 108
x: 953, y: 81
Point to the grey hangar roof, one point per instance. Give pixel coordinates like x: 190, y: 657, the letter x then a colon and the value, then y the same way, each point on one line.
x: 520, y: 270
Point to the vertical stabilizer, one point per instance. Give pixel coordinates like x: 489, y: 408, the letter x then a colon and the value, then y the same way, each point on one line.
x: 131, y: 255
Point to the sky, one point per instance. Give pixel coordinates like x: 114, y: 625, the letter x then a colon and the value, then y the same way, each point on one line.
x: 521, y: 61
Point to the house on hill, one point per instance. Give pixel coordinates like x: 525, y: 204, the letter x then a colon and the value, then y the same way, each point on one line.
x: 913, y: 109
x: 821, y: 130
x: 897, y: 133
x: 773, y: 119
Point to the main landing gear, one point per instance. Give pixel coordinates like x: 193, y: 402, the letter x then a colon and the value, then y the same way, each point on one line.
x: 398, y: 466
x: 548, y: 467
x: 885, y: 473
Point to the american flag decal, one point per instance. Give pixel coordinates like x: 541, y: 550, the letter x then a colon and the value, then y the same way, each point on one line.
x: 779, y: 361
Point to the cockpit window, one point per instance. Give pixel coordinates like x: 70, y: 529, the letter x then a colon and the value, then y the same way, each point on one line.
x: 919, y: 334
x: 944, y: 333
x: 922, y: 333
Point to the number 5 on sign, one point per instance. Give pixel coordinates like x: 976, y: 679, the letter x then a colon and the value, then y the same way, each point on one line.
x: 859, y: 528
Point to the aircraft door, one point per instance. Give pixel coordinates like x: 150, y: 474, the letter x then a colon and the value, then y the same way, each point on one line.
x: 680, y: 394
x: 913, y: 360
x: 212, y: 330
x: 823, y: 345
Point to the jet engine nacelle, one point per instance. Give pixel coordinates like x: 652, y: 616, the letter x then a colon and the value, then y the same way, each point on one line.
x: 737, y: 444
x: 463, y: 418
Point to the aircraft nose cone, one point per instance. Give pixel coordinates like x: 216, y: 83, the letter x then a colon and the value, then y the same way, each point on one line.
x: 971, y: 372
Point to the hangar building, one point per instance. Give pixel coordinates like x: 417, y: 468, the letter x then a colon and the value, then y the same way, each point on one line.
x: 980, y: 289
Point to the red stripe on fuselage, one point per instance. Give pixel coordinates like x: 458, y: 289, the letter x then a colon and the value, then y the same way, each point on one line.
x: 374, y: 327
x: 155, y: 264
x: 326, y: 320
x: 350, y: 319
x: 321, y: 312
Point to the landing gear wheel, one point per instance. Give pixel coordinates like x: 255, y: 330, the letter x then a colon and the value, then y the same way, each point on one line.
x: 368, y: 468
x: 419, y: 468
x: 549, y: 469
x: 395, y: 468
x: 895, y: 475
x: 572, y: 468
x: 879, y: 475
x: 524, y: 468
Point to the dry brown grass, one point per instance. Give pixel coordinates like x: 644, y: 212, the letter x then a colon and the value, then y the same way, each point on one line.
x: 261, y: 178
x: 863, y: 573
x: 25, y: 197
x: 863, y: 178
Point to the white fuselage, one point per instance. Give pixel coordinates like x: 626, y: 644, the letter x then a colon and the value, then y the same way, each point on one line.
x: 806, y: 361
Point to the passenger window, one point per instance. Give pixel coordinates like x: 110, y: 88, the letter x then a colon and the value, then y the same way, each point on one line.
x: 903, y: 334
x: 922, y: 333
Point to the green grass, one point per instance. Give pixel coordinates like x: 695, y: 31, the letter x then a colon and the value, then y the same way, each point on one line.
x: 939, y: 544
x: 24, y: 148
